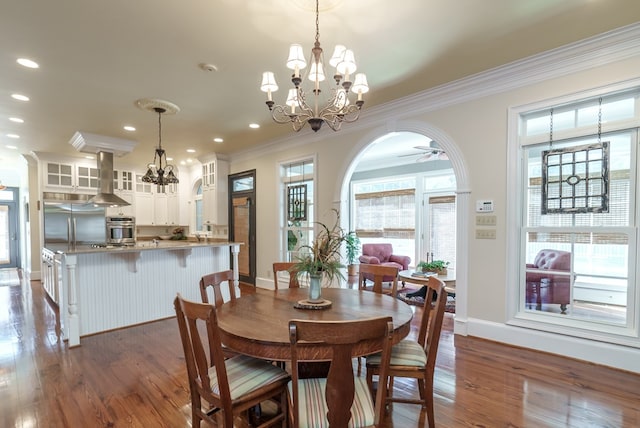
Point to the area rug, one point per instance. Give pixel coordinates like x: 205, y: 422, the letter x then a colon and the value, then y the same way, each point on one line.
x: 419, y: 301
x: 9, y: 277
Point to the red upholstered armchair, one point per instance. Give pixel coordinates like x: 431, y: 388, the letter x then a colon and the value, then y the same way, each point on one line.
x: 545, y: 287
x: 382, y: 254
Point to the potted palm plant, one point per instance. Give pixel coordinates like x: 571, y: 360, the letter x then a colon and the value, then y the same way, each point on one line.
x: 322, y: 258
x: 353, y: 248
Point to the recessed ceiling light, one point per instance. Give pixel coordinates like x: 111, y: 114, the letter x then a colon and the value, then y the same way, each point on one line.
x: 254, y: 126
x: 169, y: 159
x: 218, y: 140
x: 25, y: 62
x: 16, y: 136
x: 208, y: 67
x: 129, y: 128
x: 16, y: 120
x: 11, y: 147
x: 189, y: 160
x: 20, y: 97
x: 191, y: 151
x: 183, y: 163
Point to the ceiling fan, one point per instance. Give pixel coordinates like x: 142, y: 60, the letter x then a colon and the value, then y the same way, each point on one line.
x: 428, y: 154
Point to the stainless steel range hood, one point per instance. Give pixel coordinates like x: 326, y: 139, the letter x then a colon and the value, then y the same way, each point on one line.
x: 105, y: 196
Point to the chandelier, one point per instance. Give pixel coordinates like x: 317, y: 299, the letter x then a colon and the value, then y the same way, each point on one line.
x: 298, y: 109
x: 160, y: 172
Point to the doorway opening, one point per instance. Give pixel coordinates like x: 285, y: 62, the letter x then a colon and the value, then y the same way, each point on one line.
x: 9, y: 231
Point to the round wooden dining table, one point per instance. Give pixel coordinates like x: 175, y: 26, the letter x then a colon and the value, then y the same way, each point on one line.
x: 258, y: 324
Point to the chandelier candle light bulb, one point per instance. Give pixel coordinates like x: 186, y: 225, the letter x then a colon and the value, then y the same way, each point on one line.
x: 337, y: 109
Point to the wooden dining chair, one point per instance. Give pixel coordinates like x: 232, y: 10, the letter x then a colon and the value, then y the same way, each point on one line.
x: 416, y: 358
x: 378, y: 272
x: 230, y: 387
x: 286, y: 267
x: 215, y: 280
x: 340, y: 397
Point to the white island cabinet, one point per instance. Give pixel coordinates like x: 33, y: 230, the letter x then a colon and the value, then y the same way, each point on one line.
x: 111, y: 288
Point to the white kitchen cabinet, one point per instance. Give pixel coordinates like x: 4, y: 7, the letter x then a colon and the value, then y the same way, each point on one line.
x: 123, y: 181
x: 160, y: 215
x: 214, y: 192
x: 71, y: 176
x: 173, y: 208
x: 144, y: 209
x: 153, y: 208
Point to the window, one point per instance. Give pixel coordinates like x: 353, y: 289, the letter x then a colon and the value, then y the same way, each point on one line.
x: 385, y: 211
x: 441, y: 227
x: 594, y: 288
x: 297, y: 181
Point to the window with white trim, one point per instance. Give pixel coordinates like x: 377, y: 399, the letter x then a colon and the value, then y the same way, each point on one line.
x: 579, y: 268
x: 297, y: 183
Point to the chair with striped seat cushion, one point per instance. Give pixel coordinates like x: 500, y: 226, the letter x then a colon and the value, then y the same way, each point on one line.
x: 340, y: 399
x: 416, y: 359
x: 230, y: 386
x: 211, y: 285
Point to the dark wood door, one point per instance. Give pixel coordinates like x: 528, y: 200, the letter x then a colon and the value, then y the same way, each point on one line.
x: 242, y: 219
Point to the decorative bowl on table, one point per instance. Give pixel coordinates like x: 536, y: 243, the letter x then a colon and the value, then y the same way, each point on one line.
x: 165, y: 237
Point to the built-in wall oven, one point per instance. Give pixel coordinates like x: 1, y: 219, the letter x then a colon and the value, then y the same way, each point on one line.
x: 121, y: 230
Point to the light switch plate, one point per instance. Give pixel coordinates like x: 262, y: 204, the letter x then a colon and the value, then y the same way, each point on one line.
x: 485, y: 234
x: 486, y: 220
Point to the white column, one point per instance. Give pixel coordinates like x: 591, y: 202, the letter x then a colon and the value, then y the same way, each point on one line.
x: 235, y: 249
x: 73, y: 329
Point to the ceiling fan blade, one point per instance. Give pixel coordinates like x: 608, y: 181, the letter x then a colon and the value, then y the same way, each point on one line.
x: 438, y: 155
x: 429, y: 149
x: 425, y: 158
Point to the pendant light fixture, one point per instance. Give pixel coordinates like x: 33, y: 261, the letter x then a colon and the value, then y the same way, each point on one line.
x: 338, y: 108
x: 159, y: 172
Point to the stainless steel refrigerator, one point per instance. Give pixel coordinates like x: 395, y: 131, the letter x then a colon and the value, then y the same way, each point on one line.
x: 70, y: 224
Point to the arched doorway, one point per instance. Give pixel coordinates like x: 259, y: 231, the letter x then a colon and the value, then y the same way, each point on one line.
x: 423, y: 133
x: 402, y: 191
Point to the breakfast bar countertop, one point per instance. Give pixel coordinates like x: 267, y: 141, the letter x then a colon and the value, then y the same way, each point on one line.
x: 140, y: 246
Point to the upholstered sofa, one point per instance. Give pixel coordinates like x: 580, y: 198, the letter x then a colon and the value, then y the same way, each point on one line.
x: 545, y: 287
x: 382, y: 254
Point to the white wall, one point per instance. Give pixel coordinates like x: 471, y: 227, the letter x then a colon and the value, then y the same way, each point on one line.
x: 470, y: 117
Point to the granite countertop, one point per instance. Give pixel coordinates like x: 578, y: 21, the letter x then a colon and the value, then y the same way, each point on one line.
x: 141, y: 246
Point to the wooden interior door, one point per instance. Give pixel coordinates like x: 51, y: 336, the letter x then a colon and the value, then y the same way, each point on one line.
x: 242, y: 218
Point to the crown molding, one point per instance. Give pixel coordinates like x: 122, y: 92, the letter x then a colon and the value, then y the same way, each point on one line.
x: 612, y: 46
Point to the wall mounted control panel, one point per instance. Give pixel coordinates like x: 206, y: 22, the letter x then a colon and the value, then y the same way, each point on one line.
x: 484, y: 206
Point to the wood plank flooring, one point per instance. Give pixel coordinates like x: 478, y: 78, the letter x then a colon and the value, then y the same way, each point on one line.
x: 136, y: 377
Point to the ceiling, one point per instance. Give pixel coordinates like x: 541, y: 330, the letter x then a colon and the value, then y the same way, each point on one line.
x: 97, y: 58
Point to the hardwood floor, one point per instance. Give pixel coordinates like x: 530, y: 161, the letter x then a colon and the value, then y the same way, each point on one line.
x: 136, y: 377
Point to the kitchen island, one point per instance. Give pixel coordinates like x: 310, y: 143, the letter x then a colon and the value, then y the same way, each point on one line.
x: 103, y: 289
